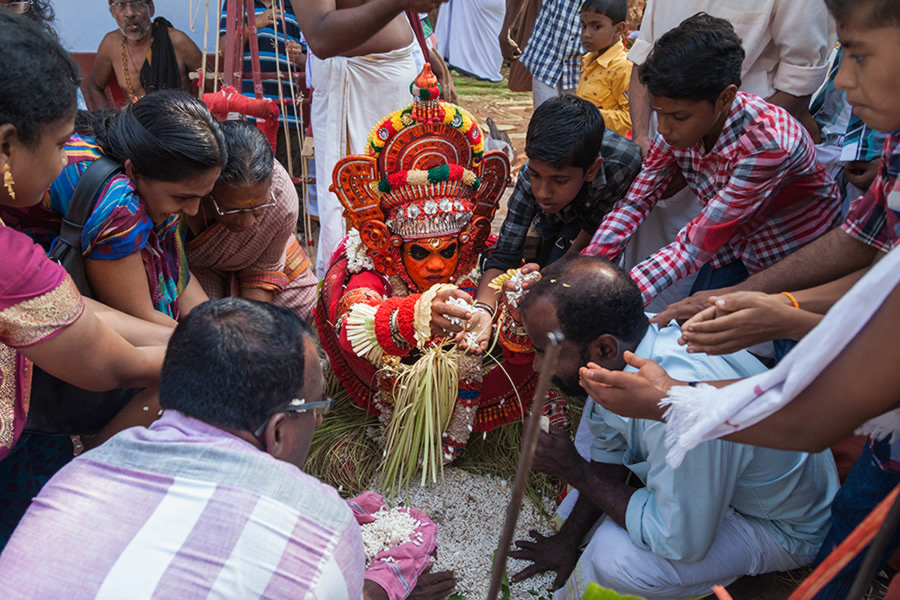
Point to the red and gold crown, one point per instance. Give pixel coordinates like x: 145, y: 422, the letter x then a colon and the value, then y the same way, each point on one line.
x: 424, y: 175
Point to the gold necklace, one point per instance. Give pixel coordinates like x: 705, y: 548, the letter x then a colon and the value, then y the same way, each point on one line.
x: 125, y: 60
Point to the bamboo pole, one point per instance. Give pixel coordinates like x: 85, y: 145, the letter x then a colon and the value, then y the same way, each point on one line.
x: 529, y: 444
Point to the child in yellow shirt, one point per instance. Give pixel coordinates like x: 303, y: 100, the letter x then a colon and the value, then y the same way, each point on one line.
x: 605, y: 71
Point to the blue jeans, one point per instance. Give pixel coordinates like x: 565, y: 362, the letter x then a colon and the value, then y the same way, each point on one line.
x: 866, y: 486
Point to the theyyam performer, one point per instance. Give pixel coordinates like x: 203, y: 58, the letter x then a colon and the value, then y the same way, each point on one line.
x: 395, y: 313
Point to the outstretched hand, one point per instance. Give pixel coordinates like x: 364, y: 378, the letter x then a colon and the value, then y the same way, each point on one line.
x: 556, y: 553
x: 683, y: 310
x: 742, y: 319
x: 634, y: 395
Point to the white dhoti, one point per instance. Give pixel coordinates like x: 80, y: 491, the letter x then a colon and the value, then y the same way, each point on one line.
x: 743, y: 547
x: 467, y: 37
x: 351, y: 95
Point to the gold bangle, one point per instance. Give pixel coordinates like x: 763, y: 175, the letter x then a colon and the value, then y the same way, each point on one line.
x: 790, y: 297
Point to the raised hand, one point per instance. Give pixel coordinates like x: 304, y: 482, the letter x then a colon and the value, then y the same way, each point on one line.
x: 739, y: 320
x: 634, y: 395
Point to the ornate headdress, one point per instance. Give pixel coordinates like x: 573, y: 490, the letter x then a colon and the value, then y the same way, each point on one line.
x: 425, y: 174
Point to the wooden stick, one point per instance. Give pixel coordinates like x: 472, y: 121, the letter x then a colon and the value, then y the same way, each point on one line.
x: 529, y: 443
x: 841, y: 556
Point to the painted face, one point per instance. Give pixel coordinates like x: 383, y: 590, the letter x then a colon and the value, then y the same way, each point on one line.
x: 539, y: 320
x: 431, y: 261
x: 869, y: 74
x: 598, y: 33
x: 556, y: 188
x: 238, y: 208
x: 165, y: 199
x: 684, y: 123
x: 34, y: 168
x: 133, y: 17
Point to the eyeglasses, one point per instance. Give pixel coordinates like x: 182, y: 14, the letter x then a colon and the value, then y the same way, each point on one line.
x: 136, y: 5
x: 297, y: 405
x: 17, y: 6
x: 238, y: 211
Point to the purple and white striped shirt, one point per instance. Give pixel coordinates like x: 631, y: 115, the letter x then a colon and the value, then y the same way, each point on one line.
x: 183, y: 510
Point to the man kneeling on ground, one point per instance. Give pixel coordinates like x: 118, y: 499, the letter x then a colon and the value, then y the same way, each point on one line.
x: 729, y: 509
x: 210, y: 500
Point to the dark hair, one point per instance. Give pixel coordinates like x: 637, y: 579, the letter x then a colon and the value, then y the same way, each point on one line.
x: 695, y: 61
x: 592, y: 297
x: 250, y: 158
x: 38, y: 79
x: 616, y: 10
x: 168, y: 135
x: 566, y: 132
x: 41, y: 12
x: 876, y: 13
x: 230, y: 361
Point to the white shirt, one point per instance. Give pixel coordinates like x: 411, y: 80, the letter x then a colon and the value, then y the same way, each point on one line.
x: 788, y: 42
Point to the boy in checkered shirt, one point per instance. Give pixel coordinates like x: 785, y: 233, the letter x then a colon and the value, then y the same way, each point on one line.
x: 752, y: 166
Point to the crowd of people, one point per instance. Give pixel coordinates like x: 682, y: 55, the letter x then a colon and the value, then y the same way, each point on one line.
x: 713, y: 197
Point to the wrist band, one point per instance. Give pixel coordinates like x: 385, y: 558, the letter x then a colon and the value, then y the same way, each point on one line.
x: 485, y: 307
x: 790, y: 297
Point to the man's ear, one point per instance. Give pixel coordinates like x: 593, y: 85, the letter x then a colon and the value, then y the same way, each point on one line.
x: 605, y: 350
x: 619, y: 28
x: 723, y: 102
x: 591, y: 173
x: 274, y: 435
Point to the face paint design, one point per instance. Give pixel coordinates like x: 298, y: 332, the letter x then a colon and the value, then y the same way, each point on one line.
x: 431, y: 261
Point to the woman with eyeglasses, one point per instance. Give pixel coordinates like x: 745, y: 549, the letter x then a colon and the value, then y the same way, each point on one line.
x: 242, y: 242
x: 171, y: 151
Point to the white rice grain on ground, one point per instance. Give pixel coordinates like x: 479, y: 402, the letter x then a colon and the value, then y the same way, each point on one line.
x: 469, y: 511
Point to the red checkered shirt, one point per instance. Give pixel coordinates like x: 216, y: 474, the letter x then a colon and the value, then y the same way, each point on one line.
x: 763, y: 194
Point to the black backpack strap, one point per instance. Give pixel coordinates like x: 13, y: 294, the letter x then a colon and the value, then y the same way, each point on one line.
x: 83, y: 200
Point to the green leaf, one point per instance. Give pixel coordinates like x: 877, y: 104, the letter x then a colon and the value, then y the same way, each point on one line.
x: 595, y: 592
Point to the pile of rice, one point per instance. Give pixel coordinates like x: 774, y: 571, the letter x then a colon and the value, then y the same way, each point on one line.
x: 469, y: 511
x: 390, y: 528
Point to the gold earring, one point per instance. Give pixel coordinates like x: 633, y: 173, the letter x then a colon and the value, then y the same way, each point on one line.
x: 8, y: 181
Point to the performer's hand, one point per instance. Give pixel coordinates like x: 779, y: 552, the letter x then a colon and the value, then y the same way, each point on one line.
x: 481, y: 324
x: 556, y: 455
x: 683, y: 310
x: 508, y: 46
x: 742, y: 319
x: 433, y: 586
x: 556, y: 553
x: 441, y: 326
x: 634, y: 395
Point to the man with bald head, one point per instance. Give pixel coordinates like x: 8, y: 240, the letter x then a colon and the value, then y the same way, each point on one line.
x: 144, y: 54
x: 728, y: 510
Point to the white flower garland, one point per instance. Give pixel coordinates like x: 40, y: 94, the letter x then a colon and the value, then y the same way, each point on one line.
x: 358, y: 259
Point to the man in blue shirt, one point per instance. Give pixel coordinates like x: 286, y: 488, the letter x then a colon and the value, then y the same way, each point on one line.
x: 729, y: 509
